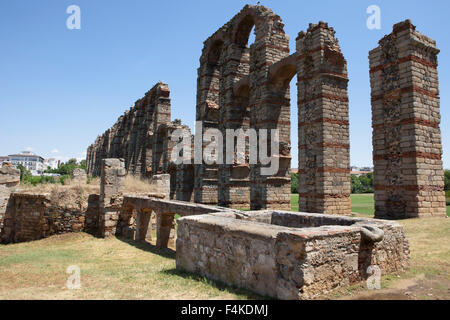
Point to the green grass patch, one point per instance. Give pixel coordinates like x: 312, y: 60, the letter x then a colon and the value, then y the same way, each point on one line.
x: 294, y: 202
x: 361, y: 203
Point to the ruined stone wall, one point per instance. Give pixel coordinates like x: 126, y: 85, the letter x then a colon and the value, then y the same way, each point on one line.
x: 31, y: 217
x: 143, y: 137
x: 323, y: 123
x: 407, y: 149
x: 134, y: 137
x: 9, y: 176
x: 79, y: 175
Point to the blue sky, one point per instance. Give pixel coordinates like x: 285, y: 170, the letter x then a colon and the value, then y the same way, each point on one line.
x: 60, y: 88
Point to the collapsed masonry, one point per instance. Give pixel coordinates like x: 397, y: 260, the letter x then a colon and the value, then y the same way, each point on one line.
x: 111, y: 212
x: 9, y: 176
x: 32, y: 216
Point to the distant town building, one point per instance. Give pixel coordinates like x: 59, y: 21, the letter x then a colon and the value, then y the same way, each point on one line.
x: 3, y: 159
x: 359, y: 171
x: 52, y: 163
x: 31, y: 161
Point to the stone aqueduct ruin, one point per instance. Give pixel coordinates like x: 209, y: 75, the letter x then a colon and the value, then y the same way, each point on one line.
x: 270, y: 251
x: 241, y: 87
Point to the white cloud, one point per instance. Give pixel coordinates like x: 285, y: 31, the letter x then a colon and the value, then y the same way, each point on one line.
x: 55, y: 151
x: 29, y: 149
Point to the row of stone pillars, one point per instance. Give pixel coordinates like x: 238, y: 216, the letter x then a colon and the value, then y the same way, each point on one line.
x: 164, y: 225
x: 111, y: 203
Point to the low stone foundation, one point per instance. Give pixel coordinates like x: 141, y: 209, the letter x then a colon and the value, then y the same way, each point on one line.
x: 31, y: 217
x: 288, y: 255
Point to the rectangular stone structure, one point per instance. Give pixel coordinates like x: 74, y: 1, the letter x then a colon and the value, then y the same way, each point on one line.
x: 111, y: 195
x: 323, y: 123
x: 408, y: 172
x: 287, y: 255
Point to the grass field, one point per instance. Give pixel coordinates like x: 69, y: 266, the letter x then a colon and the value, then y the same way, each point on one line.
x: 361, y: 203
x: 118, y: 269
x: 110, y: 269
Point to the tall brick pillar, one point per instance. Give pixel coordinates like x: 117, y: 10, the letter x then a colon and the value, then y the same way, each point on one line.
x: 207, y: 112
x: 111, y: 195
x: 323, y: 123
x: 269, y: 110
x: 408, y: 173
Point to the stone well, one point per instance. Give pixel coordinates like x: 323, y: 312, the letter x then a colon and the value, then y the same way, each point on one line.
x: 289, y: 255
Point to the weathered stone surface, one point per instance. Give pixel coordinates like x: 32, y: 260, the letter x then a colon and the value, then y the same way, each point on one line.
x: 143, y: 138
x: 79, y: 175
x: 235, y: 91
x: 111, y: 195
x: 323, y: 123
x: 4, y: 197
x: 407, y: 147
x: 288, y: 255
x: 9, y: 176
x: 31, y: 217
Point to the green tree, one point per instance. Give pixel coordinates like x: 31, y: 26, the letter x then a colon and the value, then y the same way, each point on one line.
x: 366, y: 181
x: 356, y: 186
x: 24, y: 172
x: 294, y: 182
x: 82, y: 164
x: 447, y: 179
x: 65, y: 169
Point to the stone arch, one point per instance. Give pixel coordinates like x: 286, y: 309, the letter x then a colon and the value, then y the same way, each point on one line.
x: 243, y: 29
x: 218, y: 78
x: 281, y: 73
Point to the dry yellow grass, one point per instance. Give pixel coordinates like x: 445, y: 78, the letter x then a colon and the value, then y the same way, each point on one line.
x: 74, y: 195
x: 119, y: 269
x: 429, y: 273
x: 110, y: 269
x: 138, y: 186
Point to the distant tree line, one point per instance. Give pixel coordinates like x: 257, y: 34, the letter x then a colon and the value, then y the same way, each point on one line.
x: 68, y: 167
x: 359, y: 184
x: 64, y: 170
x: 447, y: 185
x: 364, y: 183
x: 447, y: 179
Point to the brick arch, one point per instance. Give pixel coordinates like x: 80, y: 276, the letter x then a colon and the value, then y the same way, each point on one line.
x: 243, y: 29
x: 220, y: 101
x: 260, y: 17
x: 281, y: 73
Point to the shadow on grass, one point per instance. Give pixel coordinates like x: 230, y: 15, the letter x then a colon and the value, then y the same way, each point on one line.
x: 244, y: 293
x: 148, y: 247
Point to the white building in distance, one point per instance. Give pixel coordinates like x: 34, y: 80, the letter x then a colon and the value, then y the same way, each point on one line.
x: 51, y: 162
x: 31, y: 161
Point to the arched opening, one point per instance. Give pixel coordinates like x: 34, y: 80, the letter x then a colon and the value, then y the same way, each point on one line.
x: 244, y: 32
x: 251, y: 37
x: 214, y: 53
